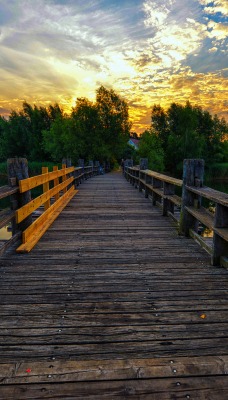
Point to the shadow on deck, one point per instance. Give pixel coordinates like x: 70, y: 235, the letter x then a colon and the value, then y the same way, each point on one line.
x: 111, y: 304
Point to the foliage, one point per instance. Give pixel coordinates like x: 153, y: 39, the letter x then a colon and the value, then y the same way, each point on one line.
x: 100, y: 131
x: 150, y: 147
x: 93, y: 131
x: 189, y: 132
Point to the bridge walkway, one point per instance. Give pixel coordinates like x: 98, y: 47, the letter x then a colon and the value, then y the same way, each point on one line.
x: 113, y: 304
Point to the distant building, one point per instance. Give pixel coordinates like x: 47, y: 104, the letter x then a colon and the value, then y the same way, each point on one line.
x: 134, y: 143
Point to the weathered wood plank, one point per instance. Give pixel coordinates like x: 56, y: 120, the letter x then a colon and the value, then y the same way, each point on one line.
x: 6, y: 191
x: 213, y: 387
x: 27, y: 209
x: 211, y: 194
x: 30, y: 183
x: 103, y: 370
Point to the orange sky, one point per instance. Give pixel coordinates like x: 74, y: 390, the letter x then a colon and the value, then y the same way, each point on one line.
x: 147, y: 51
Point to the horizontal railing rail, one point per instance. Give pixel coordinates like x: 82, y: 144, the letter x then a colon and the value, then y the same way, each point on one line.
x: 187, y: 210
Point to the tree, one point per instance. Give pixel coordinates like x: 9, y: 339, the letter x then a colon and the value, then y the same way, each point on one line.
x: 85, y: 114
x: 150, y: 147
x: 113, y: 120
x: 159, y: 124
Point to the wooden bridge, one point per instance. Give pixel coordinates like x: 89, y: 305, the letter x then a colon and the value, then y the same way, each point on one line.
x: 112, y: 304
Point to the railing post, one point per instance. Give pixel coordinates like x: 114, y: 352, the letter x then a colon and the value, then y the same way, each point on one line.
x: 97, y: 165
x: 193, y: 173
x: 82, y: 165
x: 17, y: 170
x: 56, y: 182
x: 64, y: 178
x: 91, y: 165
x: 148, y: 180
x: 220, y: 245
x: 46, y: 189
x: 169, y: 190
x: 143, y: 163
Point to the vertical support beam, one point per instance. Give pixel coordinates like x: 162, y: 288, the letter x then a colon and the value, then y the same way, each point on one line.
x: 143, y: 163
x: 82, y: 165
x: 17, y: 169
x: 56, y: 182
x: 64, y: 178
x: 169, y: 189
x: 148, y: 180
x: 91, y: 165
x: 141, y: 179
x: 193, y: 173
x: 136, y: 178
x: 46, y: 188
x: 220, y: 245
x: 157, y: 184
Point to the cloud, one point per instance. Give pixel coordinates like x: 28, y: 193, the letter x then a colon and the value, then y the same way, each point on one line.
x: 215, y: 7
x: 58, y: 50
x: 217, y: 30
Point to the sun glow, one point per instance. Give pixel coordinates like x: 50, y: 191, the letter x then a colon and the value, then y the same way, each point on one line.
x: 154, y: 52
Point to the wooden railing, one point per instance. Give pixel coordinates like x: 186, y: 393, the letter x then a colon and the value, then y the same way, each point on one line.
x: 59, y: 186
x: 187, y: 210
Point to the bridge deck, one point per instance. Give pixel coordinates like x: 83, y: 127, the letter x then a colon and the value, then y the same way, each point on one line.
x: 111, y: 303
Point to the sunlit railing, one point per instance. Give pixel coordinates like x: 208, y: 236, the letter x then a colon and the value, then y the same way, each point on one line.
x: 58, y: 187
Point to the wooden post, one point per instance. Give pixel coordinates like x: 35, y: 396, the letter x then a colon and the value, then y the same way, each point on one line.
x: 169, y: 189
x: 193, y: 172
x: 46, y: 189
x: 149, y: 182
x: 91, y: 165
x: 64, y: 178
x: 143, y: 163
x: 17, y: 170
x: 220, y: 245
x: 56, y: 182
x: 157, y: 184
x: 82, y: 165
x: 67, y: 162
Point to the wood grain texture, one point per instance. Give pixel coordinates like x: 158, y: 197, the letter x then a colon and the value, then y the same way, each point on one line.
x: 113, y: 304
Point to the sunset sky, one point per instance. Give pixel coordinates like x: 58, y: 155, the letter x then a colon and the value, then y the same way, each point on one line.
x: 152, y: 51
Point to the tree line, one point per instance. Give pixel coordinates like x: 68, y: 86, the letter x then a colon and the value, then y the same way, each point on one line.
x: 183, y: 131
x: 92, y: 131
x: 100, y: 131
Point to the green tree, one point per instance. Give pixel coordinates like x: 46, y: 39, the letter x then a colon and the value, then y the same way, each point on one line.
x: 150, y: 147
x: 113, y: 120
x: 159, y: 124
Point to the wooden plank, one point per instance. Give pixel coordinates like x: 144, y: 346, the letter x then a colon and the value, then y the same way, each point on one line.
x: 213, y: 387
x: 30, y: 183
x: 211, y: 194
x: 105, y: 370
x: 8, y: 244
x: 163, y: 178
x: 6, y: 191
x: 202, y: 242
x: 27, y: 209
x: 202, y: 215
x: 6, y: 217
x: 223, y: 233
x: 35, y: 231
